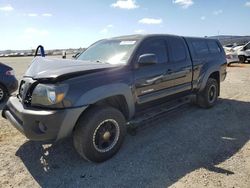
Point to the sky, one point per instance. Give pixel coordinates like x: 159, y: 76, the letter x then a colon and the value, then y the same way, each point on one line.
x: 57, y: 24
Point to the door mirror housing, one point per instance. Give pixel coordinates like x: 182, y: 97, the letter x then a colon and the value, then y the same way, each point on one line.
x: 147, y: 59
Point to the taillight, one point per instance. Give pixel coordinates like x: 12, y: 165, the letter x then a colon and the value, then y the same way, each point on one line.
x: 10, y: 73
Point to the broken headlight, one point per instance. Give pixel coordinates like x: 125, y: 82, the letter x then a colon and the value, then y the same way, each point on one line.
x: 48, y: 94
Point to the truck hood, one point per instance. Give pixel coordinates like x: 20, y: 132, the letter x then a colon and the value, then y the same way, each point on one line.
x: 45, y: 68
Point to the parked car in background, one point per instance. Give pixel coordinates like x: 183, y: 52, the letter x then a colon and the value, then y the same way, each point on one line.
x: 237, y: 53
x: 8, y: 81
x: 243, y: 52
x: 232, y: 57
x: 228, y: 47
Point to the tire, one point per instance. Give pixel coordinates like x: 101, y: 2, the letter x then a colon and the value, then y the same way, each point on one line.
x: 242, y: 59
x: 99, y: 133
x: 229, y: 64
x: 209, y: 96
x: 3, y: 93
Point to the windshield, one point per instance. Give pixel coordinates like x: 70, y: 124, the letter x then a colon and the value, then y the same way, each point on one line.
x: 109, y: 51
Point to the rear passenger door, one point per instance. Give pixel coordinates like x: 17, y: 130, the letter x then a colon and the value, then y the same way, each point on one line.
x: 180, y: 64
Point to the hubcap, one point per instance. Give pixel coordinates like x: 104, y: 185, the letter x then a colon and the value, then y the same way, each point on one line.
x: 1, y: 94
x: 212, y: 94
x: 106, y: 135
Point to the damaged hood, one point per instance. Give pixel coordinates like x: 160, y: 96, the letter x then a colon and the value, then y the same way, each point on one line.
x: 46, y: 68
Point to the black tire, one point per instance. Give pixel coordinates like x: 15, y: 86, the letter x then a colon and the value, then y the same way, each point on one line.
x: 89, y: 129
x: 242, y: 59
x: 3, y: 93
x: 229, y: 64
x: 209, y: 96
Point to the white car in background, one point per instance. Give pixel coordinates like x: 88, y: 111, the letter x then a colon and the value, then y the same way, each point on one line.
x: 243, y: 52
x: 232, y: 57
x: 240, y: 53
x: 228, y: 47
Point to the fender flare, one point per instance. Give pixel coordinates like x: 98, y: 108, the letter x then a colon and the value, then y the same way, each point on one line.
x: 204, y: 77
x: 102, y: 92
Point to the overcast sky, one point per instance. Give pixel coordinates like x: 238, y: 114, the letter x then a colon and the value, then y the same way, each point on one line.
x: 24, y: 24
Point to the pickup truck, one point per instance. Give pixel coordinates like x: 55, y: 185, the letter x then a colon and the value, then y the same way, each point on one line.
x: 114, y: 84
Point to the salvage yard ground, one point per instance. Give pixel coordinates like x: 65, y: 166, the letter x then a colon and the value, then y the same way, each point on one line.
x: 190, y: 147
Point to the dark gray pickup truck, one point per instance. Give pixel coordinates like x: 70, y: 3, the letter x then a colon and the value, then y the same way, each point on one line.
x: 114, y: 84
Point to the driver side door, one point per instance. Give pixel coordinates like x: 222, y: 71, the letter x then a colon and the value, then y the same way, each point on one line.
x: 152, y: 80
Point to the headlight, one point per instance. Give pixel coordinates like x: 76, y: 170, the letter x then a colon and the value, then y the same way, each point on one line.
x: 48, y: 94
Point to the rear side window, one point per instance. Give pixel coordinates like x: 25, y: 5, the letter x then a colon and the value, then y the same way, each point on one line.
x: 213, y: 47
x: 177, y: 49
x: 200, y: 47
x: 157, y: 47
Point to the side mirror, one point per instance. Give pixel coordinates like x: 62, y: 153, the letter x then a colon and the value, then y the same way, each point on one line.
x: 147, y: 59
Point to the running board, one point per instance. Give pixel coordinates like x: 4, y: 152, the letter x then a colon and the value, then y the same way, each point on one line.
x: 155, y: 112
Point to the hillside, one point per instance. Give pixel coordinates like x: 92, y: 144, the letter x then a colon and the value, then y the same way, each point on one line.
x: 230, y: 39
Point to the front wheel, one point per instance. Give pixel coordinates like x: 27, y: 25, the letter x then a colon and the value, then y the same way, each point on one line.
x: 242, y: 59
x: 209, y: 96
x: 99, y: 133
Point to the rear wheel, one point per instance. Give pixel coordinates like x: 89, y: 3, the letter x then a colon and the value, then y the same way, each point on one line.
x: 209, y: 96
x: 99, y: 133
x: 3, y: 93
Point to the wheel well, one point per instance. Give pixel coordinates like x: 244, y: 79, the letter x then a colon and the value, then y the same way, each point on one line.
x: 118, y: 102
x: 216, y: 76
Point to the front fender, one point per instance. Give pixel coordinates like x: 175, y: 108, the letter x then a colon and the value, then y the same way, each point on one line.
x: 102, y: 92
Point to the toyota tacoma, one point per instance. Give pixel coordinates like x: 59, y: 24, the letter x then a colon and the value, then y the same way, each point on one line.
x: 114, y: 84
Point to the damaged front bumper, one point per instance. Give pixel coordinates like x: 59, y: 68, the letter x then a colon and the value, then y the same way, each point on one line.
x: 40, y: 124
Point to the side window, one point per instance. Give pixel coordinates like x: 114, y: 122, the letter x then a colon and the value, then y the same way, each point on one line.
x: 213, y: 47
x: 200, y: 47
x: 177, y: 49
x: 157, y: 47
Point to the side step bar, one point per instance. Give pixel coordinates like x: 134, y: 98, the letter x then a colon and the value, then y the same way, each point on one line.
x: 157, y: 111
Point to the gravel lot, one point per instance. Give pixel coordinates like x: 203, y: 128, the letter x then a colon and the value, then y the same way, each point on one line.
x: 190, y: 147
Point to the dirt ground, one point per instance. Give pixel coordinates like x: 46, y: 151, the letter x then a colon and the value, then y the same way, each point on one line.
x: 190, y: 147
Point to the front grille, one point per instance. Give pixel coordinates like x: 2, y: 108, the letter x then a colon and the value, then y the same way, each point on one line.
x: 25, y: 90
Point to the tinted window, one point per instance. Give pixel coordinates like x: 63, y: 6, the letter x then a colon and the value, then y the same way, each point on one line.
x: 213, y: 47
x: 156, y: 47
x: 177, y: 49
x: 200, y: 47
